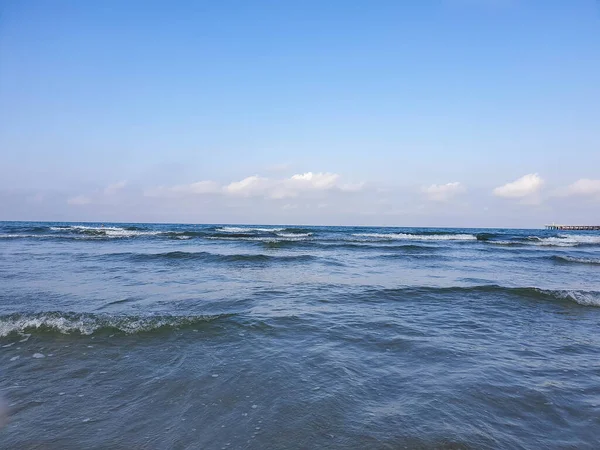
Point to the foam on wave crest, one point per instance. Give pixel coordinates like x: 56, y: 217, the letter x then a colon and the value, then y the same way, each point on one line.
x: 294, y: 235
x: 585, y: 298
x: 88, y: 323
x: 248, y: 230
x: 581, y: 297
x: 508, y: 243
x: 110, y: 232
x: 417, y: 237
x: 213, y: 257
x: 572, y: 259
x: 565, y: 240
x: 263, y: 239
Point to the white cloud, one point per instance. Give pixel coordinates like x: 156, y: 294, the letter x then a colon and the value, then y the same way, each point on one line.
x: 443, y: 192
x: 257, y: 186
x: 584, y: 186
x: 321, y: 181
x: 200, y: 187
x: 523, y: 187
x: 114, y: 188
x: 79, y: 200
x: 316, y: 180
x: 307, y: 182
x: 249, y: 186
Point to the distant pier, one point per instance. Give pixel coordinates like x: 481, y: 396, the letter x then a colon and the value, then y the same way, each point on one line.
x: 573, y: 227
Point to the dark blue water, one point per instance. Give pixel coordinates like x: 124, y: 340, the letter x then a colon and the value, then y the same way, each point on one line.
x: 250, y: 337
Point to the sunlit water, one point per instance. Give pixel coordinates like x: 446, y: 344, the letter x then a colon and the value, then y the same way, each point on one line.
x: 189, y: 336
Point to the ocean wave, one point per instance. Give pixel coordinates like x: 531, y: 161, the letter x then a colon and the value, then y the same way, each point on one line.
x: 585, y: 298
x: 572, y: 259
x: 248, y: 229
x: 565, y: 240
x: 89, y: 323
x: 293, y: 235
x: 211, y: 257
x: 507, y: 243
x: 109, y: 232
x: 259, y: 239
x: 27, y: 228
x: 287, y: 232
x: 486, y: 236
x: 182, y: 234
x: 380, y: 246
x: 417, y: 237
x: 83, y: 232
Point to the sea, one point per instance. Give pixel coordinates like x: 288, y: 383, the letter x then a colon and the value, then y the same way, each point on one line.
x: 184, y: 336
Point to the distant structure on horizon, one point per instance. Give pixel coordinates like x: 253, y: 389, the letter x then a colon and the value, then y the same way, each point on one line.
x: 573, y: 227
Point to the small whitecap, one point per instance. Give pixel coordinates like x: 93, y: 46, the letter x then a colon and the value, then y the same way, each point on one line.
x: 39, y: 355
x: 417, y: 237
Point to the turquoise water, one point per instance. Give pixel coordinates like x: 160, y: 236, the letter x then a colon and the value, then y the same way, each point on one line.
x: 223, y: 336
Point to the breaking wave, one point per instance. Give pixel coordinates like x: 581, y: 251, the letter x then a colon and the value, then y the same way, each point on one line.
x: 211, y: 257
x: 248, y: 230
x: 417, y: 237
x: 586, y: 298
x: 571, y: 259
x: 88, y: 323
x: 111, y: 232
x: 565, y: 240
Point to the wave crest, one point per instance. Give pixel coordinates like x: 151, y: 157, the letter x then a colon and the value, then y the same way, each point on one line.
x: 417, y: 237
x: 89, y: 323
x: 572, y: 259
x: 565, y: 240
x: 586, y: 298
x: 212, y: 257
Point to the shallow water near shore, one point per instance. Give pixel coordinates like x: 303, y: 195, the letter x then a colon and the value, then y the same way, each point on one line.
x: 230, y: 336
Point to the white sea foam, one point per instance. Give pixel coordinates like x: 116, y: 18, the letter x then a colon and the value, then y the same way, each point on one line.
x: 581, y: 297
x: 505, y: 242
x: 418, y: 237
x: 111, y: 232
x: 247, y: 230
x: 87, y: 324
x: 579, y: 260
x: 565, y: 240
x: 276, y: 238
x: 294, y: 235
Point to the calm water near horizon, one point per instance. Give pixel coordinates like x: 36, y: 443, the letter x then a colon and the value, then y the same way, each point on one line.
x: 165, y: 336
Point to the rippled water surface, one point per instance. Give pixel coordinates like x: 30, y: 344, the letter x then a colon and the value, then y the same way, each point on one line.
x: 220, y: 336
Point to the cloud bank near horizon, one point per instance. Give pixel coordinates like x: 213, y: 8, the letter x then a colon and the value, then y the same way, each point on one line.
x: 258, y: 186
x: 318, y: 198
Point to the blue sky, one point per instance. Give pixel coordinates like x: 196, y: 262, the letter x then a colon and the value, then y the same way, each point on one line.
x: 433, y: 113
